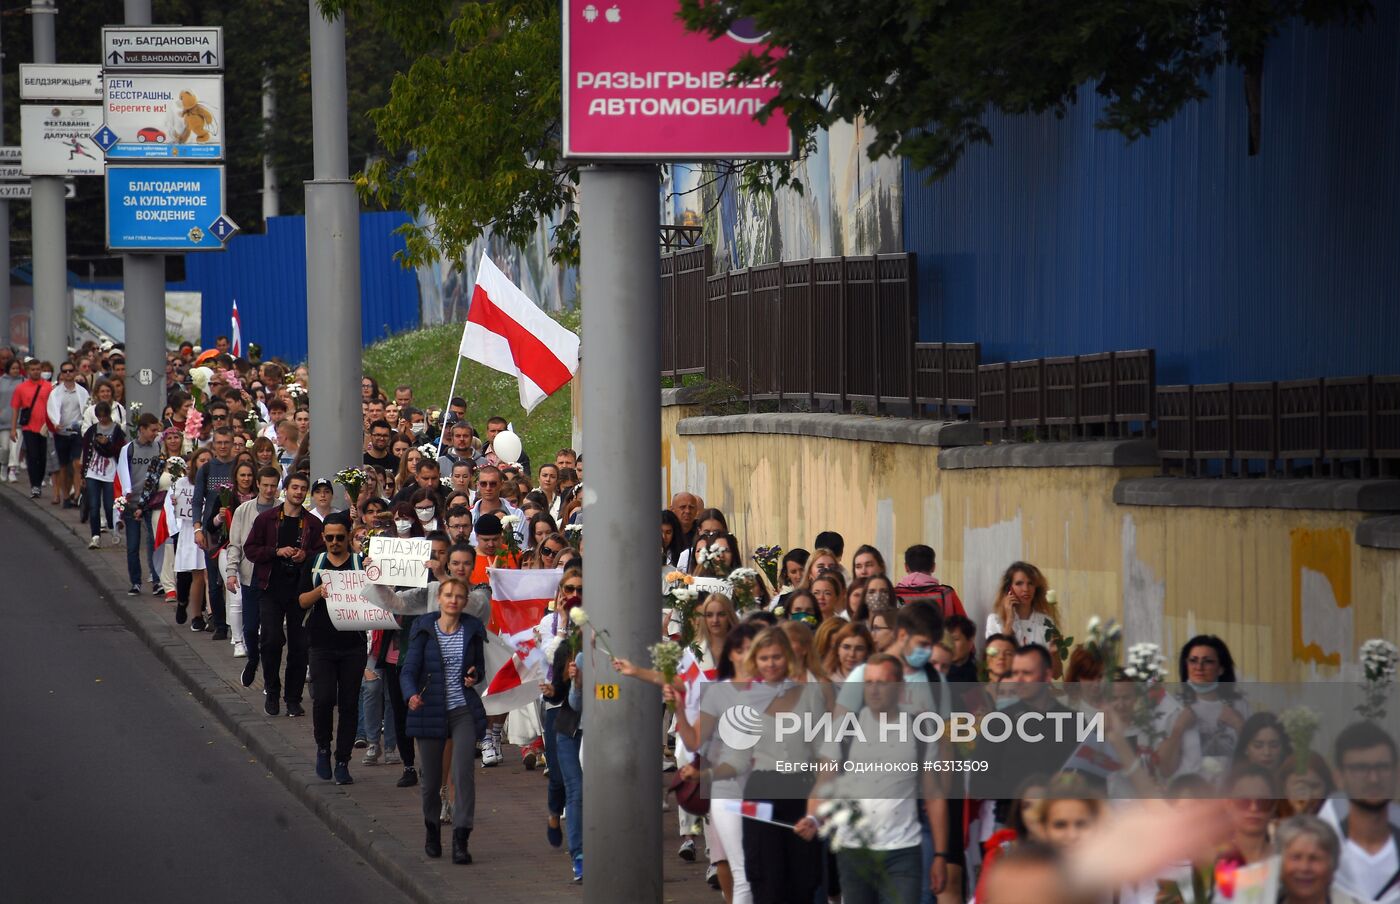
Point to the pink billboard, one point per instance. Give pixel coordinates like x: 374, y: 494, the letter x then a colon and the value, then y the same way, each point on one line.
x: 638, y: 85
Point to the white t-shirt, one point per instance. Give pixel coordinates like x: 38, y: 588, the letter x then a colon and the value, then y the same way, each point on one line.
x: 1034, y: 629
x: 1364, y: 875
x: 889, y: 822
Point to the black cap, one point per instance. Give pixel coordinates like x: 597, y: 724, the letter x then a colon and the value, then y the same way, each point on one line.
x: 321, y: 482
x: 488, y: 525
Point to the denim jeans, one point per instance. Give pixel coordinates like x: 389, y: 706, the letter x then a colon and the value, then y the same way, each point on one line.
x: 567, y: 763
x: 99, y: 495
x: 374, y: 696
x: 138, y: 530
x: 252, y: 598
x: 554, y: 795
x: 881, y: 877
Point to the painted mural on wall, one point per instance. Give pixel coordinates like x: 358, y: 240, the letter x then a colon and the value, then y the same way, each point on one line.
x: 445, y: 286
x: 850, y: 205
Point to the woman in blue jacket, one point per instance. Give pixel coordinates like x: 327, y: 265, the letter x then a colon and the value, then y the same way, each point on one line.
x: 444, y: 662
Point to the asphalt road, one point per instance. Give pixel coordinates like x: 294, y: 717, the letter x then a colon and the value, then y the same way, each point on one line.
x: 116, y: 786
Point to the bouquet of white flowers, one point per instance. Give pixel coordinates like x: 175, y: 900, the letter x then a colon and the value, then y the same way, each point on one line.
x: 1379, y: 659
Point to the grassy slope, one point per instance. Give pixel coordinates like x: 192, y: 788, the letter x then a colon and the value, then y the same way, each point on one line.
x: 424, y: 359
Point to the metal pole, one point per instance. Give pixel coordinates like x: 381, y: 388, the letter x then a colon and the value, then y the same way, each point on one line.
x: 332, y: 260
x: 143, y: 285
x: 270, y: 197
x: 49, y: 238
x: 621, y: 282
x: 4, y: 238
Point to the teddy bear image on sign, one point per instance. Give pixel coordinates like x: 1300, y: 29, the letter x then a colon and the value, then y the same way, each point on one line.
x: 197, y: 119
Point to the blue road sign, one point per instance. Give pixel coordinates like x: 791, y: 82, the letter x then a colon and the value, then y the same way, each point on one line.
x: 104, y: 138
x: 166, y: 208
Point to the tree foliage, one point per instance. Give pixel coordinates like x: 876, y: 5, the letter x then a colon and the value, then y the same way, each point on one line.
x: 473, y: 123
x: 925, y: 73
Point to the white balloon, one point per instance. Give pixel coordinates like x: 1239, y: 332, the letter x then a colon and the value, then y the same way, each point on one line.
x: 507, y: 447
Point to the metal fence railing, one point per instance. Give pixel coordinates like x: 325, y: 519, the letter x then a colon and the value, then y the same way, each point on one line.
x: 840, y: 334
x: 1337, y: 426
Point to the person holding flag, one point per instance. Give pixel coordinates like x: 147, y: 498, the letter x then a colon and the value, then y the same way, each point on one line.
x: 236, y: 343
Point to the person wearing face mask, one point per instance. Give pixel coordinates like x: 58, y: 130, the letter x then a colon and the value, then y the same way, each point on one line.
x: 405, y: 522
x: 425, y: 510
x: 1208, y: 724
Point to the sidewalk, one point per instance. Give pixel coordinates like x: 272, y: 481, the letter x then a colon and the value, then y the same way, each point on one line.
x: 380, y: 822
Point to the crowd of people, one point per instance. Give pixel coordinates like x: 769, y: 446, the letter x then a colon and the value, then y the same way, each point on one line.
x: 223, y: 514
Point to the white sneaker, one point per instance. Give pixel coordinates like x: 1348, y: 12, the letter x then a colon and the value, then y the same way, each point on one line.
x: 240, y: 651
x: 371, y: 756
x: 490, y: 752
x: 95, y: 542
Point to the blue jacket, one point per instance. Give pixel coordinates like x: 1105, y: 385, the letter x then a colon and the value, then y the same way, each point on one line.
x: 423, y: 671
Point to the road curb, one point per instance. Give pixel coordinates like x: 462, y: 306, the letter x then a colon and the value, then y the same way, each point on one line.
x: 340, y: 812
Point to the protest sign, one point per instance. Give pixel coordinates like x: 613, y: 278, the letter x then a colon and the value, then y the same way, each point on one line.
x: 347, y: 606
x: 399, y: 562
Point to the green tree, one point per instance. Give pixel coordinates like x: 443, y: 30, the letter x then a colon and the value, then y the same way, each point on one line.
x: 924, y: 74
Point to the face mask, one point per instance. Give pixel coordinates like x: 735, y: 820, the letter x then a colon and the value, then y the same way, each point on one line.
x: 403, y: 526
x: 806, y: 618
x: 46, y: 375
x: 918, y: 657
x: 424, y: 514
x: 419, y: 429
x: 1203, y: 687
x: 572, y: 601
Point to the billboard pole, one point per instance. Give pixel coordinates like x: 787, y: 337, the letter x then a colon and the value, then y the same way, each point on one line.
x: 50, y: 320
x: 333, y: 336
x: 620, y: 276
x: 143, y: 285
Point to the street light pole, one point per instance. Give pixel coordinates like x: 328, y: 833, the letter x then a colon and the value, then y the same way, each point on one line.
x: 143, y: 290
x: 333, y: 335
x: 49, y: 238
x: 621, y: 284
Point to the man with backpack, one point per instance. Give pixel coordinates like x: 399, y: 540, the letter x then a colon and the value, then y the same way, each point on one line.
x: 920, y: 584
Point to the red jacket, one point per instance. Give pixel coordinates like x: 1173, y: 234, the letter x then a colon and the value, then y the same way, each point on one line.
x: 35, y: 397
x: 261, y: 546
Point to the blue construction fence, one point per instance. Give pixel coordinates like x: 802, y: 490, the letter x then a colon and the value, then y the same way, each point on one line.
x: 266, y: 274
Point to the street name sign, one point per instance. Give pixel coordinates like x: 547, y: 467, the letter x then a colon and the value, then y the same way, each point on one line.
x: 60, y: 81
x: 161, y: 47
x: 166, y: 208
x: 23, y: 191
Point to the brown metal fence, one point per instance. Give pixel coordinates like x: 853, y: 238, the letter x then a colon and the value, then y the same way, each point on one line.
x: 1340, y: 426
x: 840, y: 333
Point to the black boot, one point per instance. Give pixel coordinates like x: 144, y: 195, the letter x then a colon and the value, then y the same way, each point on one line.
x: 460, y: 854
x: 432, y: 846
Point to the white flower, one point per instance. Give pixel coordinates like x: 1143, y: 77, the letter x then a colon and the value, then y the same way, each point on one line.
x: 743, y: 574
x: 1094, y: 622
x: 1131, y: 672
x: 578, y: 616
x: 1052, y: 597
x: 552, y: 647
x: 510, y: 520
x: 841, y: 817
x: 573, y: 529
x: 200, y: 377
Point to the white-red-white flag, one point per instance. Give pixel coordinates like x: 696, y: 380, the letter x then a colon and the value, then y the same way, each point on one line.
x: 516, y: 666
x: 691, y: 670
x: 508, y: 332
x: 236, y: 342
x: 519, y: 598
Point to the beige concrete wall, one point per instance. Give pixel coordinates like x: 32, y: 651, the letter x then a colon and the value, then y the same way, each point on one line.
x: 1289, y: 590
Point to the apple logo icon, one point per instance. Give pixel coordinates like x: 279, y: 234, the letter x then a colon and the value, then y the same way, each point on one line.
x: 613, y: 14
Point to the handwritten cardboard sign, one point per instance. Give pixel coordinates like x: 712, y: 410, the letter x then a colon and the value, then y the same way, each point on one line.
x: 347, y: 606
x: 399, y: 561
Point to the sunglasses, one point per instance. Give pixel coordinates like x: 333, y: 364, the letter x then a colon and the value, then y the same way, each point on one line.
x: 488, y: 484
x: 545, y: 550
x: 334, y: 538
x: 573, y: 588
